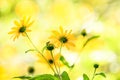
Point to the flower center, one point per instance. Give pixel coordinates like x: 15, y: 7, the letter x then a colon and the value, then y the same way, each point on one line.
x: 50, y: 61
x: 63, y: 39
x: 22, y: 29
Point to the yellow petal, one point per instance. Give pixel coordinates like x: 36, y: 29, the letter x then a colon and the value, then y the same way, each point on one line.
x: 70, y: 44
x: 28, y: 25
x: 28, y: 30
x: 17, y: 23
x: 22, y: 22
x: 23, y: 34
x: 14, y: 38
x: 11, y: 32
x: 27, y: 20
x: 69, y: 32
x: 24, y: 18
x: 57, y: 56
x: 56, y: 33
x: 14, y: 28
x: 61, y: 29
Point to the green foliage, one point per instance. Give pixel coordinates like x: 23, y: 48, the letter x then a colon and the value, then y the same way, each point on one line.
x: 89, y: 39
x: 65, y: 76
x: 65, y: 62
x: 30, y: 50
x: 101, y: 74
x: 44, y: 77
x: 85, y: 77
x: 23, y: 77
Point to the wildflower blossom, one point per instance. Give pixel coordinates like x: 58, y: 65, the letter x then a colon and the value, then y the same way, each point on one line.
x: 62, y: 37
x: 21, y: 27
x: 3, y: 74
x: 49, y: 58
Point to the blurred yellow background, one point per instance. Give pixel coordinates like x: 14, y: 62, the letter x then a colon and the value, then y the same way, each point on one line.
x: 98, y: 17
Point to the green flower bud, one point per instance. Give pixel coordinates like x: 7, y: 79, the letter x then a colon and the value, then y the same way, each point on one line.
x: 31, y: 70
x: 50, y: 46
x: 96, y: 65
x: 83, y: 33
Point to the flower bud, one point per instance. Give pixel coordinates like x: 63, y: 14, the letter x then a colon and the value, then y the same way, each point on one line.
x: 96, y: 65
x: 50, y: 46
x: 31, y: 70
x: 83, y: 33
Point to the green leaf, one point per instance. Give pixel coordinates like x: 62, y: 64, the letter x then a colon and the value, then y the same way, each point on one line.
x: 43, y: 49
x: 65, y: 76
x: 89, y: 39
x: 44, y: 77
x: 102, y: 74
x: 85, y: 77
x: 65, y: 62
x: 23, y: 77
x: 30, y: 50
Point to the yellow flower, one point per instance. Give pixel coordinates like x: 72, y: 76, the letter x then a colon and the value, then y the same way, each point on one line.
x: 49, y: 58
x: 21, y: 27
x: 62, y: 37
x: 2, y: 73
x: 27, y: 7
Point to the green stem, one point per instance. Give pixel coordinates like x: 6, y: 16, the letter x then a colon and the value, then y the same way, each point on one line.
x: 60, y: 54
x: 61, y: 47
x: 40, y: 53
x: 55, y: 65
x: 94, y: 73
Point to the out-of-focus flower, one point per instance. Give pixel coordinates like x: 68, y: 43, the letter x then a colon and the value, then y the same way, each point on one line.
x: 2, y: 73
x: 26, y: 8
x: 21, y: 27
x: 62, y: 37
x: 7, y: 52
x: 89, y: 47
x: 49, y: 58
x: 62, y: 11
